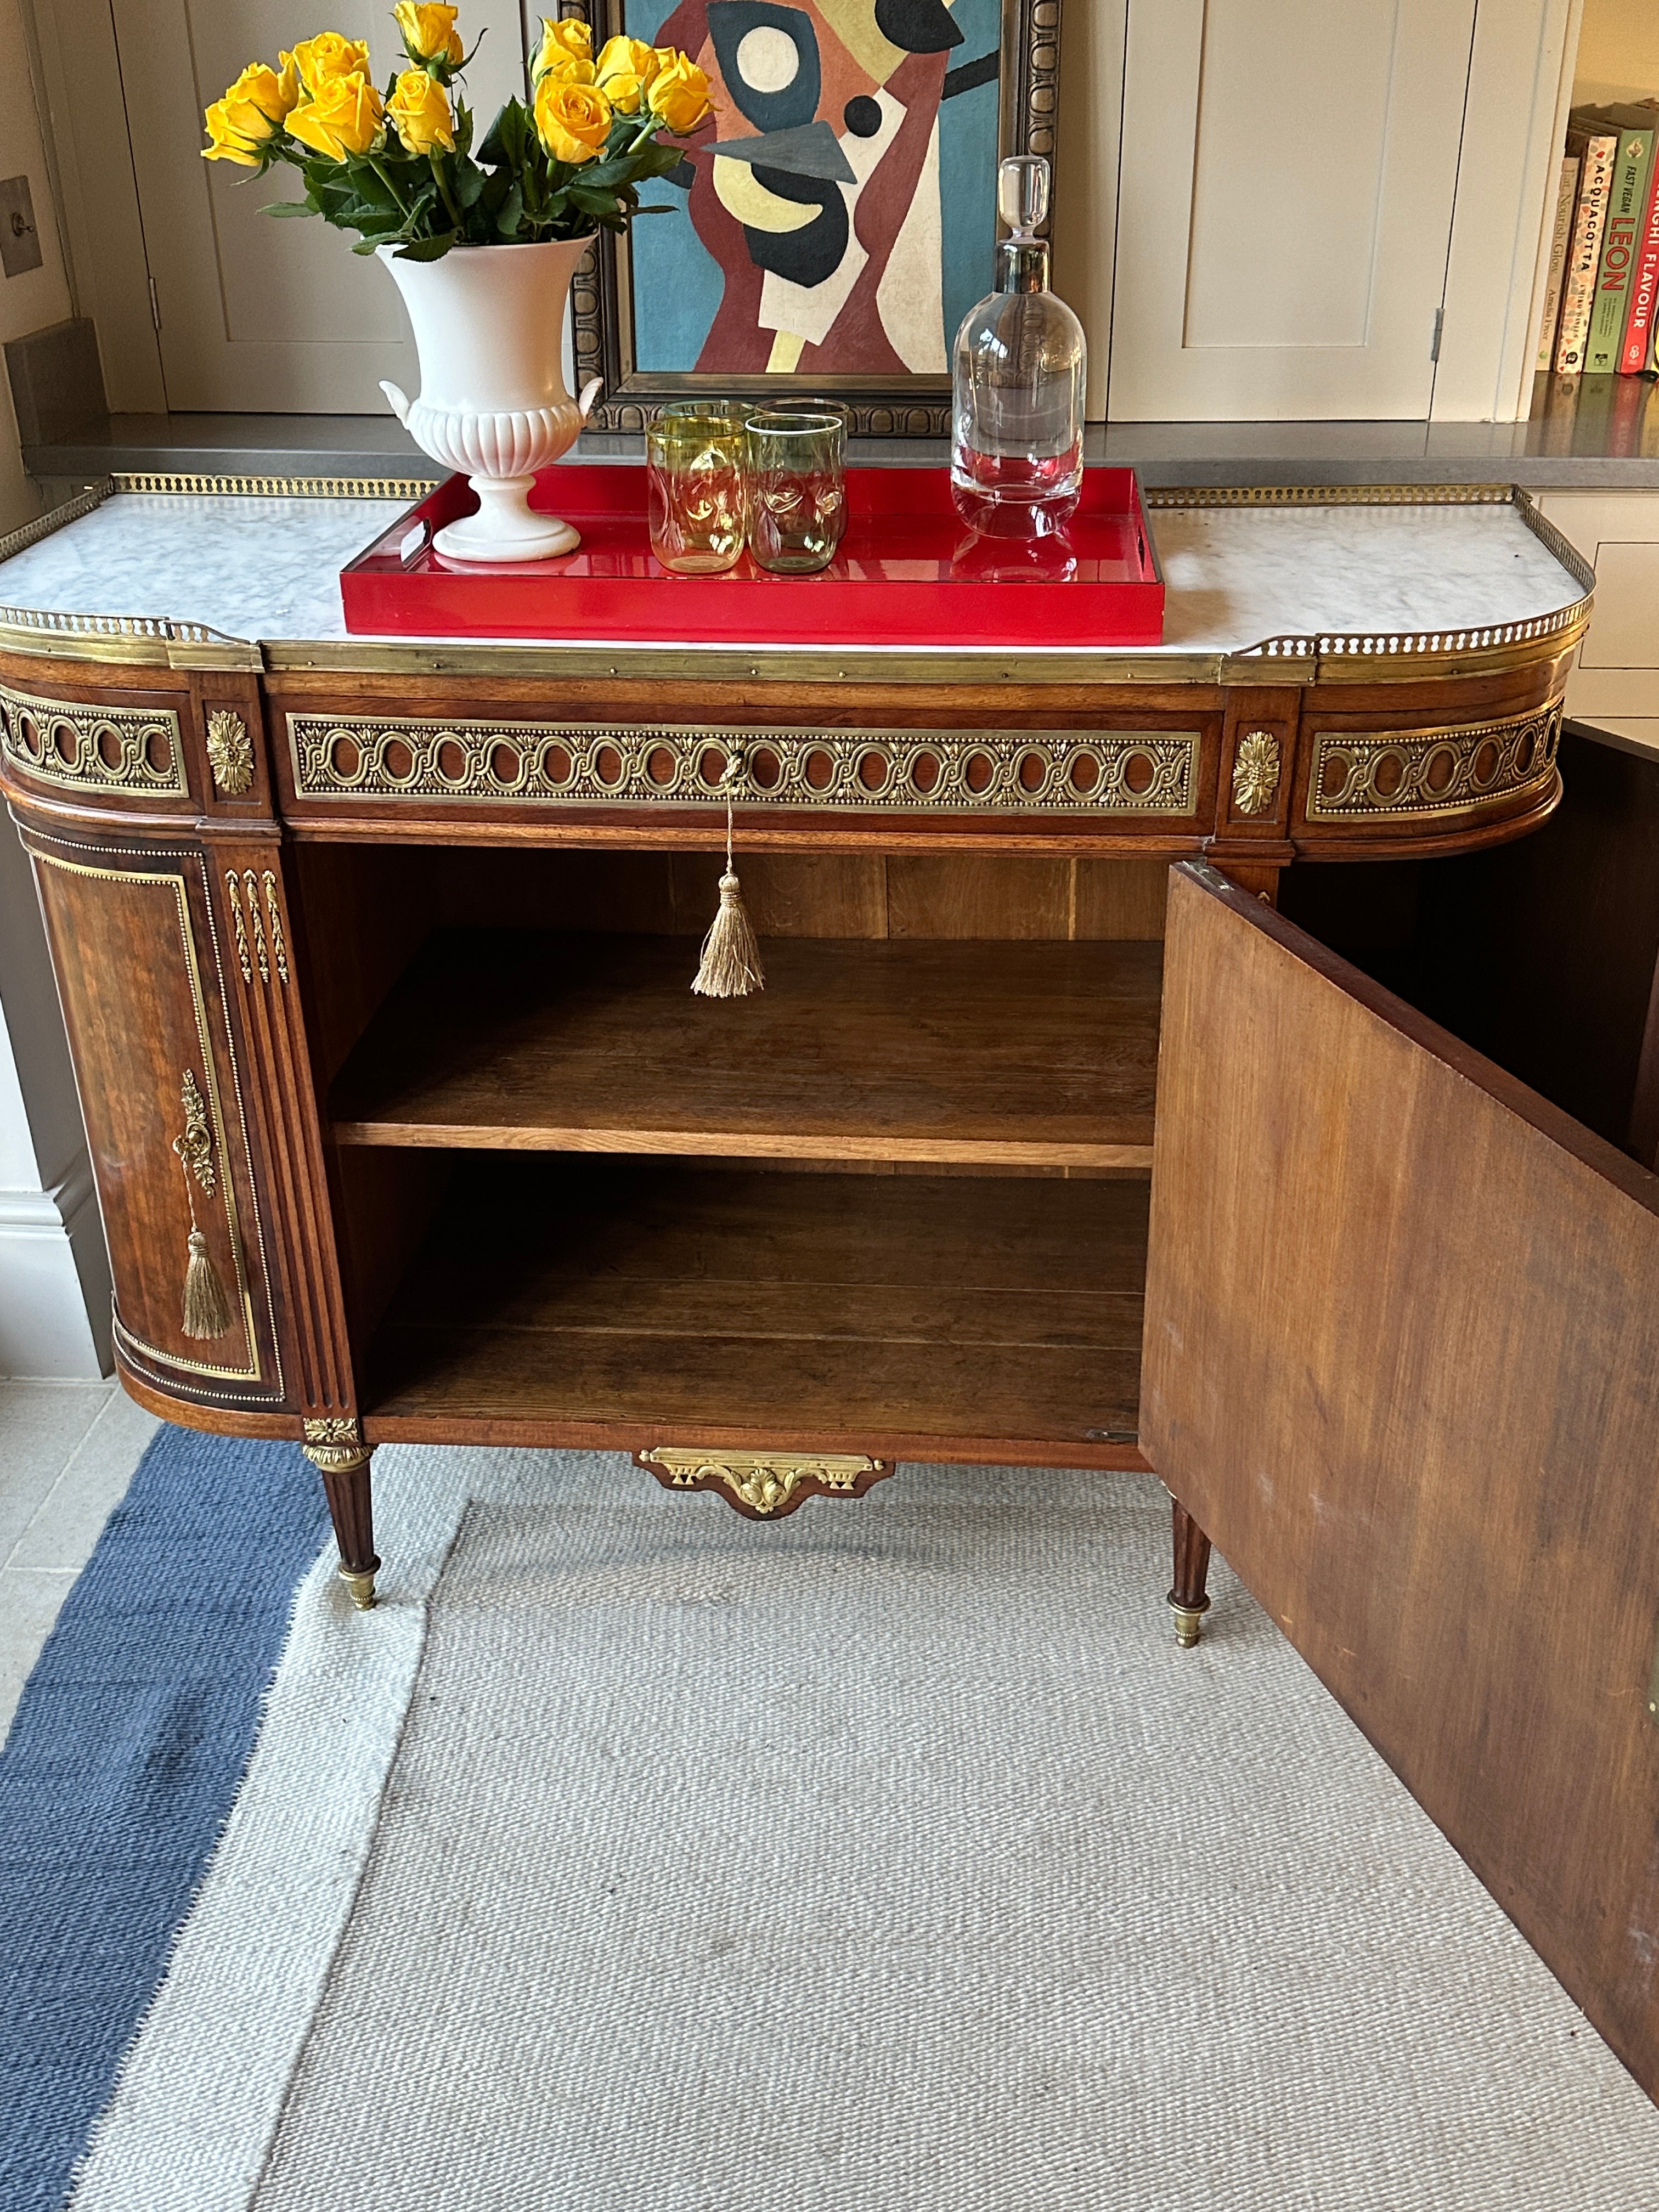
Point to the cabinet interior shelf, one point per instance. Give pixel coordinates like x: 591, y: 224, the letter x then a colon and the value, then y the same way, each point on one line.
x: 586, y: 1300
x: 953, y: 1052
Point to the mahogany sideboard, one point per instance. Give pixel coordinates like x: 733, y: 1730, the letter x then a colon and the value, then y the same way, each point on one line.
x: 374, y: 956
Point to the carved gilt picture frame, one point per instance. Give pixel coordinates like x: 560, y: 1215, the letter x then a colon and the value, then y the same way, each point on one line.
x: 853, y: 249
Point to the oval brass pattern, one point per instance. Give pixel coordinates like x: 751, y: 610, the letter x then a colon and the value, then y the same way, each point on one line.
x: 1447, y: 770
x: 82, y: 747
x: 890, y: 771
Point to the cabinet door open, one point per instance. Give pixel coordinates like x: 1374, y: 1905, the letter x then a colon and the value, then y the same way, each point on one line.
x: 1401, y: 1362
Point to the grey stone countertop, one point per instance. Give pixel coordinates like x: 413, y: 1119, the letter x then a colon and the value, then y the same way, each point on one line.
x: 1590, y: 433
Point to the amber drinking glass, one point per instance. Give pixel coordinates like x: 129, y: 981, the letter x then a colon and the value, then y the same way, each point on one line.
x: 797, y: 490
x: 695, y: 464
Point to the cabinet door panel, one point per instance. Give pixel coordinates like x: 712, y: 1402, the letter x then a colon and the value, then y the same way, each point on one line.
x: 255, y: 314
x: 1401, y: 1362
x: 1285, y: 204
x: 152, y: 1056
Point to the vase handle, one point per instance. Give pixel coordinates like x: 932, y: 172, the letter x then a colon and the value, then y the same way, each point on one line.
x: 399, y: 400
x: 590, y: 391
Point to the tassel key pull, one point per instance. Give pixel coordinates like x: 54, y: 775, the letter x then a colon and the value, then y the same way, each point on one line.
x: 731, y: 964
x: 207, y: 1309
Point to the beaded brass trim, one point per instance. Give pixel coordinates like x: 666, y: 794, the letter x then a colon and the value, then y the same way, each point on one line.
x: 216, y: 487
x: 1428, y: 772
x: 65, y: 742
x: 1394, y: 495
x: 590, y: 763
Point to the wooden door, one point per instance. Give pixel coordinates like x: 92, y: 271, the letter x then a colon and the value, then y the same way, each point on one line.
x: 1401, y: 1362
x: 256, y: 315
x: 1286, y: 181
x: 138, y: 974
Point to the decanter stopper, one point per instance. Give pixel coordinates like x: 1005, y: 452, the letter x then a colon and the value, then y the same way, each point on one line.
x: 1023, y: 204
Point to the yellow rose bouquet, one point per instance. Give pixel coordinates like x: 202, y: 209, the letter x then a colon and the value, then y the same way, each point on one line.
x: 399, y: 166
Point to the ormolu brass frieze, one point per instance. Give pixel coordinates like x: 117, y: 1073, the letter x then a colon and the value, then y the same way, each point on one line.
x: 763, y: 1481
x: 1425, y: 772
x: 890, y: 771
x: 99, y: 748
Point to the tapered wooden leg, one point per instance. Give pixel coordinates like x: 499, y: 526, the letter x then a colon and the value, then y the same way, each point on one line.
x: 336, y: 1449
x: 1188, y: 1600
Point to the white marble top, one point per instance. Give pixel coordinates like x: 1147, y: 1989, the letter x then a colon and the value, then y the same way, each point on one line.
x: 268, y: 569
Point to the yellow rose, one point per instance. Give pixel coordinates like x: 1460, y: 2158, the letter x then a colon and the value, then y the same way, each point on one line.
x: 429, y: 32
x: 678, y: 95
x: 240, y: 123
x: 623, y: 70
x: 226, y: 141
x: 574, y: 121
x: 419, y: 112
x: 314, y: 61
x: 564, y: 43
x: 343, y: 116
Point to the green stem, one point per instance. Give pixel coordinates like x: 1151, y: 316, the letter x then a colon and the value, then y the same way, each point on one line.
x: 649, y: 132
x: 443, y: 191
x: 380, y: 173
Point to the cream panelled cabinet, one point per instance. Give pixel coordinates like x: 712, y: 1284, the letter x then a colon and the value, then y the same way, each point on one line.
x: 1614, y: 682
x: 1305, y: 188
x: 256, y: 315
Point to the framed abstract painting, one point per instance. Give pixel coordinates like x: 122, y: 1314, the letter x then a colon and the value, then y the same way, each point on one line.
x: 833, y: 221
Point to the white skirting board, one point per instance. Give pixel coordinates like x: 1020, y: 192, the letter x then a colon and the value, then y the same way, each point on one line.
x: 54, y: 1281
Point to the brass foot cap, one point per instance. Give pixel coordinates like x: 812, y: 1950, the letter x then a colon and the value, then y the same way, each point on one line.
x: 360, y: 1581
x: 1188, y: 1620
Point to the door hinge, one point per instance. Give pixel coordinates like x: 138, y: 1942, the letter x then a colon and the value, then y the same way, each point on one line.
x: 1434, y: 343
x: 154, y: 305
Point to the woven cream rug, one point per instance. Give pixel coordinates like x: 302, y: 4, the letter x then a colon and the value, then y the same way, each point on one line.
x: 634, y: 1858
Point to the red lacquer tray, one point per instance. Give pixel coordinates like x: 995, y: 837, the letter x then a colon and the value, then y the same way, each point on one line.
x: 908, y: 573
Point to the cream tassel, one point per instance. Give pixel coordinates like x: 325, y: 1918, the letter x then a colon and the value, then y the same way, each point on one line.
x: 207, y: 1309
x: 207, y: 1312
x: 730, y: 966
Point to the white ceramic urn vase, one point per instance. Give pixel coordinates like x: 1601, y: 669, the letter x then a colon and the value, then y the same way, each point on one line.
x: 488, y: 325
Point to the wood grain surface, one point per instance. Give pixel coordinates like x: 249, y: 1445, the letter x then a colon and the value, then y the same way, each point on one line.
x: 621, y: 1303
x: 1035, y: 1054
x: 1402, y: 1339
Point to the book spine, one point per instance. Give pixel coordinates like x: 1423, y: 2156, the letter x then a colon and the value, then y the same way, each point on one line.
x: 1621, y: 231
x: 1578, y: 293
x: 1638, y: 330
x: 1566, y: 206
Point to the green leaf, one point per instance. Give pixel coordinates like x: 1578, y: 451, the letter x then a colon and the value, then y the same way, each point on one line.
x: 509, y: 218
x: 427, y: 249
x: 290, y: 207
x: 469, y: 182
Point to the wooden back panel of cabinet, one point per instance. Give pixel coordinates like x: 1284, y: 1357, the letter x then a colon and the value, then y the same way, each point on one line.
x: 132, y: 943
x: 1402, y: 1342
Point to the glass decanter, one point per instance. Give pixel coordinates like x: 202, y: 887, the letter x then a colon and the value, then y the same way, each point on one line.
x: 1017, y: 377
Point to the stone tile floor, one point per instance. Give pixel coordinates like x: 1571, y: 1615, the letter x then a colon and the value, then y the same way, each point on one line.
x: 67, y: 1452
